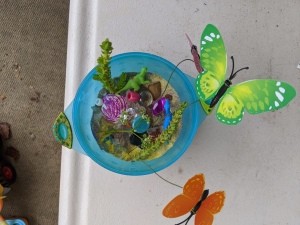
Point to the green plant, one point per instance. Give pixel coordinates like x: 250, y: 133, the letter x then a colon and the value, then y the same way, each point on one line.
x: 103, y: 68
x: 149, y: 146
x: 122, y: 81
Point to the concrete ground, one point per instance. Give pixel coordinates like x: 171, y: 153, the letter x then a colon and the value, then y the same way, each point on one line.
x: 33, y: 43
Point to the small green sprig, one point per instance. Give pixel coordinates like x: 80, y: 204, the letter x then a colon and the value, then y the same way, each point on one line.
x: 149, y: 146
x: 122, y: 81
x: 103, y: 69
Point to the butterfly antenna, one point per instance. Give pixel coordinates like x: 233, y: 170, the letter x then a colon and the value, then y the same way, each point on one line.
x: 232, y: 70
x: 244, y: 68
x: 195, y: 55
x: 189, y: 40
x: 173, y: 73
x: 233, y: 74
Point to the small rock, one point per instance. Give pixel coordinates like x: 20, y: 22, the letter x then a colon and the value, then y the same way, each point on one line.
x: 2, y: 97
x: 32, y: 136
x: 168, y: 96
x: 155, y: 89
x: 37, y: 97
x: 136, y: 139
x: 154, y: 132
x: 102, y: 93
x: 99, y: 102
x: 16, y: 67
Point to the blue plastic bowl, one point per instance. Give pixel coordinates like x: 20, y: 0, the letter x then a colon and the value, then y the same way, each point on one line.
x: 133, y: 62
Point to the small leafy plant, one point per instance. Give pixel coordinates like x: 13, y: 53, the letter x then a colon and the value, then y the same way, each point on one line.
x: 149, y: 146
x: 103, y: 68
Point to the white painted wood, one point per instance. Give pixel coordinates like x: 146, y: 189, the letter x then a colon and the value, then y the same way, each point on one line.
x: 257, y: 163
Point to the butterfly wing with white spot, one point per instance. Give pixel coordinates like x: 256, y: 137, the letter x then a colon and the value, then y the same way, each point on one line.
x: 256, y: 96
x: 214, y: 62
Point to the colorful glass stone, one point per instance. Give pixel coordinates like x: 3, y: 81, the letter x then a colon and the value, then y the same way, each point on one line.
x: 158, y: 106
x: 146, y: 98
x: 140, y: 124
x: 99, y: 102
x: 112, y: 107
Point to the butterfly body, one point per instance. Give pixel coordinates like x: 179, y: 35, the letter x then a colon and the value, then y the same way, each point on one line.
x: 220, y: 93
x: 197, y: 206
x: 188, y: 201
x: 254, y: 96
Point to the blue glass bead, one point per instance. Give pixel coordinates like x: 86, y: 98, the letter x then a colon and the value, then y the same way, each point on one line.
x: 140, y: 124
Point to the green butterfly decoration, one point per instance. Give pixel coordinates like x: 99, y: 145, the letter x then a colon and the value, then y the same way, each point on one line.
x: 256, y: 96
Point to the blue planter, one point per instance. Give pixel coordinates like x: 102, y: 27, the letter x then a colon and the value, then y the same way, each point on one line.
x: 79, y: 114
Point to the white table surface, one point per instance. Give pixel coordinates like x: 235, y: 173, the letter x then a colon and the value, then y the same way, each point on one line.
x: 257, y: 162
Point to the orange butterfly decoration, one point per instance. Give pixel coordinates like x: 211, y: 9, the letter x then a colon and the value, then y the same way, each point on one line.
x: 195, y: 200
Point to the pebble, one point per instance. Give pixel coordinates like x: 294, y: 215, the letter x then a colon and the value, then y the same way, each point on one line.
x: 2, y: 97
x: 155, y: 89
x: 168, y: 96
x: 136, y: 138
x: 102, y: 93
x: 99, y: 102
x: 154, y: 132
x: 32, y: 136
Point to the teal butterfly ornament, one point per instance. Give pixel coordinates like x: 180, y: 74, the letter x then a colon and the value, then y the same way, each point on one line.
x: 254, y: 96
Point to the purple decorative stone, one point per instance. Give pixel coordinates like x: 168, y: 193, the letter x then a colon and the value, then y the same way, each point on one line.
x: 112, y: 107
x: 158, y: 106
